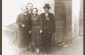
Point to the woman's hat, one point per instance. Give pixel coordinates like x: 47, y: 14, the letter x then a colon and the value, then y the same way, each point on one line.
x: 46, y: 6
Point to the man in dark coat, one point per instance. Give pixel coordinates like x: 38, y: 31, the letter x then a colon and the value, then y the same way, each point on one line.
x: 29, y: 8
x: 48, y: 28
x: 29, y: 11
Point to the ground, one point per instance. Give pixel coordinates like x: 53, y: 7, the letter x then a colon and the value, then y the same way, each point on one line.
x: 73, y: 47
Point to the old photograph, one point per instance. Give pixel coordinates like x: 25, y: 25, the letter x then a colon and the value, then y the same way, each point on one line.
x: 42, y: 27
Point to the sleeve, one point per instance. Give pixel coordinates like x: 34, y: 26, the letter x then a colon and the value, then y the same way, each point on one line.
x: 18, y: 21
x: 40, y: 19
x: 30, y: 23
x: 53, y: 23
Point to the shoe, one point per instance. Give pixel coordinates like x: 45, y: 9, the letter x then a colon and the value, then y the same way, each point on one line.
x: 45, y: 54
x: 37, y: 50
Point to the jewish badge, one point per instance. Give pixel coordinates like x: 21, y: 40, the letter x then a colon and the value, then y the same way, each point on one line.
x: 47, y: 18
x: 35, y: 18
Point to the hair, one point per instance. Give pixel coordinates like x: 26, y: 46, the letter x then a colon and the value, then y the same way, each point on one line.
x: 29, y: 3
x: 23, y: 7
x: 36, y: 9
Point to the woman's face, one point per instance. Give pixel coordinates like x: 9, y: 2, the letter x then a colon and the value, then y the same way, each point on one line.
x: 24, y: 9
x: 34, y: 11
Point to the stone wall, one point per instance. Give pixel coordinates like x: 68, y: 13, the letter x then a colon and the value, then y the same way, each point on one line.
x: 63, y: 9
x: 81, y: 19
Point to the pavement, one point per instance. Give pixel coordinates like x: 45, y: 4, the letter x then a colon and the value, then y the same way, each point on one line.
x: 74, y: 47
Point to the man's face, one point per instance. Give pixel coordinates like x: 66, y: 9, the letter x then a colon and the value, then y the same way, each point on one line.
x: 30, y: 6
x: 46, y: 10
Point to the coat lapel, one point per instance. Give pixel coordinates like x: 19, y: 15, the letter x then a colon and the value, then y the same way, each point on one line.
x: 44, y: 16
x: 48, y: 17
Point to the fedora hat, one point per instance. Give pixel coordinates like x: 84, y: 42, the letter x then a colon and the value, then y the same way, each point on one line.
x: 46, y: 6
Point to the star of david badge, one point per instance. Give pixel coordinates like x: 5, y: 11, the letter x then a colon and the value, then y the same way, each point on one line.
x: 35, y: 18
x: 47, y: 18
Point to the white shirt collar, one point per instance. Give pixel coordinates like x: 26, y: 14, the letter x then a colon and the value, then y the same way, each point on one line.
x: 46, y: 14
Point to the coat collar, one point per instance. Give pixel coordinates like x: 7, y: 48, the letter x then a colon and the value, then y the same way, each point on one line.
x: 48, y: 14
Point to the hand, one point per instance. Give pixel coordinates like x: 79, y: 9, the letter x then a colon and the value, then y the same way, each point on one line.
x: 54, y: 33
x: 40, y: 31
x: 29, y: 32
x: 23, y: 25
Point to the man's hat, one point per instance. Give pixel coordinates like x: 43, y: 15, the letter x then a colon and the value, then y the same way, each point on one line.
x: 46, y: 6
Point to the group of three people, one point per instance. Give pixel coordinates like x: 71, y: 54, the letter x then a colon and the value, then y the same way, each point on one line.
x: 35, y: 31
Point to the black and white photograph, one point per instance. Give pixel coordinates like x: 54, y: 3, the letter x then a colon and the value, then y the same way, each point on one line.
x: 42, y: 27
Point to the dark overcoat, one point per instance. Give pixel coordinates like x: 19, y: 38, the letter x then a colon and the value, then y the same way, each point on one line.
x: 48, y: 23
x: 48, y: 28
x: 23, y: 36
x: 36, y: 27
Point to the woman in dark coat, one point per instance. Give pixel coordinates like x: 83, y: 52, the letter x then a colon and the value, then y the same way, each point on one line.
x: 36, y: 30
x: 24, y: 24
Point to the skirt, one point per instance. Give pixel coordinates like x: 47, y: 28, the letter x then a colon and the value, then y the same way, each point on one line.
x: 23, y: 38
x: 36, y: 36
